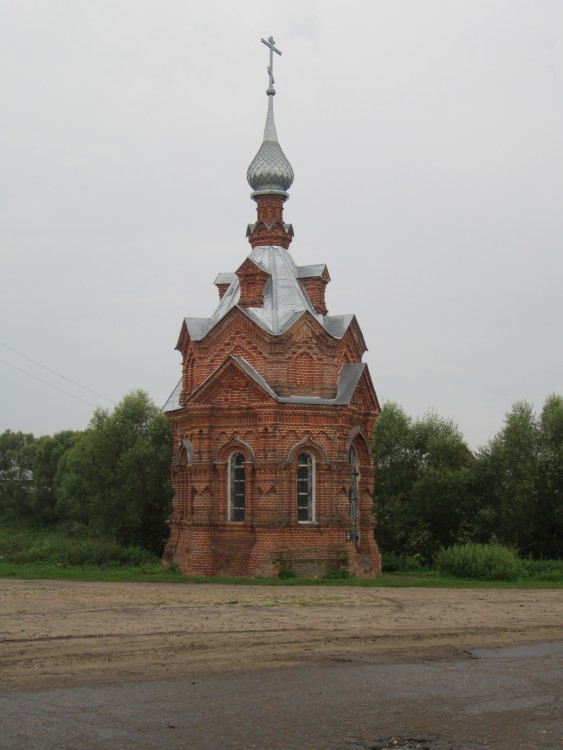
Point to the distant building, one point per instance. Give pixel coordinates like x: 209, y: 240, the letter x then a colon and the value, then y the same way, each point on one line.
x: 274, y: 413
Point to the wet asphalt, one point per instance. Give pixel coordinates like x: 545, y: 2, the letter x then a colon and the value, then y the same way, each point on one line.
x: 507, y: 699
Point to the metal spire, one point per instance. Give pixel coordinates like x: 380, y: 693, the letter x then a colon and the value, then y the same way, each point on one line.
x: 270, y: 91
x: 270, y: 172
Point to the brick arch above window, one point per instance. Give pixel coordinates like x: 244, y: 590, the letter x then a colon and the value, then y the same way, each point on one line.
x: 359, y: 441
x: 308, y: 445
x: 235, y: 445
x: 185, y: 452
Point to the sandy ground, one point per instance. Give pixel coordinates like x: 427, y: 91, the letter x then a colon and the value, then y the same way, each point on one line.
x: 55, y: 633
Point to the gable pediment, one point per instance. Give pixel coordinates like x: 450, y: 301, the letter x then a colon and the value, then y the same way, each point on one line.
x: 252, y: 280
x: 305, y: 328
x: 248, y: 266
x: 365, y: 397
x: 183, y: 339
x: 303, y: 332
x: 231, y: 384
x: 236, y: 323
x: 353, y: 337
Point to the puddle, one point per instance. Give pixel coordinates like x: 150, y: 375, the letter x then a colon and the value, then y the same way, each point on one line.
x: 532, y: 649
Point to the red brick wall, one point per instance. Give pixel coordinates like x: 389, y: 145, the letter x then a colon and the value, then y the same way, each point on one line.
x: 272, y: 356
x: 204, y: 542
x: 252, y: 283
x: 315, y: 290
x: 270, y: 228
x: 229, y: 412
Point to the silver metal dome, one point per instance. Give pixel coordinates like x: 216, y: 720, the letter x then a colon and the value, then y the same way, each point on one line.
x: 270, y: 171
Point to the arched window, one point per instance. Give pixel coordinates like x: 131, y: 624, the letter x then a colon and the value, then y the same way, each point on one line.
x: 305, y: 488
x: 237, y: 487
x: 354, y: 474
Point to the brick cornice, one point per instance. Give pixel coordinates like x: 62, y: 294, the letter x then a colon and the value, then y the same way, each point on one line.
x: 270, y: 228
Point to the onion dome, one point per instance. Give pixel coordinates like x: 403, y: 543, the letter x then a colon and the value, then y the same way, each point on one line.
x: 270, y: 172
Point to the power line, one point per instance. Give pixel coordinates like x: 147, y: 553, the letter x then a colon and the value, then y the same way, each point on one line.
x: 49, y: 384
x: 58, y: 374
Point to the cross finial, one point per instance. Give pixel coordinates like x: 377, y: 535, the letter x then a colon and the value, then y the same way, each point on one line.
x: 270, y: 91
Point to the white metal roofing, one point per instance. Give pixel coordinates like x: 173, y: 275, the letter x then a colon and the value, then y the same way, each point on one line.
x: 270, y: 171
x: 307, y: 272
x: 284, y: 297
x: 173, y: 401
x: 224, y: 278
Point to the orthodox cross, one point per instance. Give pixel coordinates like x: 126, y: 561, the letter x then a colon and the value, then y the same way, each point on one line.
x: 270, y: 43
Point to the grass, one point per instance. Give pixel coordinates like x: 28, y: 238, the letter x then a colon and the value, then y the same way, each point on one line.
x: 154, y: 574
x: 41, y: 554
x: 123, y: 574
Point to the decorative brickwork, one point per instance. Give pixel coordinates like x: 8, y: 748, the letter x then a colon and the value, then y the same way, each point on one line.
x: 271, y: 356
x: 273, y: 417
x: 231, y: 412
x: 252, y: 282
x: 315, y: 288
x: 269, y: 228
x: 222, y: 288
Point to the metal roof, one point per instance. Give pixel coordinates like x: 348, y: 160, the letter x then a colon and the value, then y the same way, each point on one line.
x: 285, y: 300
x: 270, y: 171
x: 337, y: 325
x: 173, y: 401
x: 308, y: 272
x: 224, y: 278
x: 348, y: 380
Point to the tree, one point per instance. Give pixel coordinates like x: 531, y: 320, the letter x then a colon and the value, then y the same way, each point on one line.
x: 15, y: 471
x: 115, y: 481
x: 43, y: 456
x: 423, y: 493
x: 548, y: 521
x: 505, y: 479
x: 519, y: 480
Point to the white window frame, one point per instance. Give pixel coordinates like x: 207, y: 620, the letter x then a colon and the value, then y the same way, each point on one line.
x: 311, y: 488
x: 230, y: 487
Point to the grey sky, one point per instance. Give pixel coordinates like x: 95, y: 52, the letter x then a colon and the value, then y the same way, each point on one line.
x: 426, y: 140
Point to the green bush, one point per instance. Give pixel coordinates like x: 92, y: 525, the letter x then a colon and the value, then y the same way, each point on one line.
x: 485, y: 562
x: 286, y: 573
x: 336, y: 574
x: 393, y: 563
x: 56, y: 549
x: 543, y: 570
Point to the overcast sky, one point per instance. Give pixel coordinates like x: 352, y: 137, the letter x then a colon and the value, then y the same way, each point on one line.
x: 426, y: 138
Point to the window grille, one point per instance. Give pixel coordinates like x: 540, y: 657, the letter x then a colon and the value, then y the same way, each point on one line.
x: 353, y: 481
x: 237, y: 489
x: 305, y: 495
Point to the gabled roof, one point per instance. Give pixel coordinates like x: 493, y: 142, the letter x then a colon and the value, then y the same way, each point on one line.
x: 284, y: 297
x: 337, y: 325
x: 348, y: 380
x: 224, y: 278
x: 173, y: 401
x: 310, y: 272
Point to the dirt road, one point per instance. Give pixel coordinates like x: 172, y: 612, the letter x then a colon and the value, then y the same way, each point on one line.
x: 55, y: 634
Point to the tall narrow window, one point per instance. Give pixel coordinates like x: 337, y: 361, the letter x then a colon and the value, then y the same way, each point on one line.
x: 353, y: 481
x: 305, y: 488
x: 237, y: 487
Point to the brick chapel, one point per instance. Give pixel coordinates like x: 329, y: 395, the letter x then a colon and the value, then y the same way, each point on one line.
x: 273, y: 417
